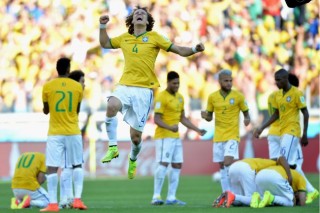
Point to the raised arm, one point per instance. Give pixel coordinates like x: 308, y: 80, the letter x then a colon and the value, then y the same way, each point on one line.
x: 187, y: 51
x: 103, y: 36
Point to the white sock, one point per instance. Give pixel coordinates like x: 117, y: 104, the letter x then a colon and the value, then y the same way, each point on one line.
x: 135, y: 150
x: 39, y: 203
x: 66, y: 189
x: 112, y: 125
x: 245, y: 200
x: 159, y: 176
x: 52, y: 184
x: 78, y: 182
x: 282, y: 201
x: 310, y: 188
x: 174, y: 176
x: 225, y: 182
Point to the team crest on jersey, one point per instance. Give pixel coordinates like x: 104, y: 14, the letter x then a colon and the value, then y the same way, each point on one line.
x: 145, y: 39
x: 288, y: 99
x: 302, y: 99
x: 231, y: 101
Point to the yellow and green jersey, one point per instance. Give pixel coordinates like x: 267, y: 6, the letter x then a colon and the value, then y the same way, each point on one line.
x: 140, y: 53
x: 63, y: 96
x: 289, y: 105
x: 170, y: 107
x: 298, y: 181
x: 27, y: 169
x: 226, y: 111
x: 258, y: 164
x: 275, y: 126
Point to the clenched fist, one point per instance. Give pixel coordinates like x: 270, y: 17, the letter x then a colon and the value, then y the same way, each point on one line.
x: 104, y: 19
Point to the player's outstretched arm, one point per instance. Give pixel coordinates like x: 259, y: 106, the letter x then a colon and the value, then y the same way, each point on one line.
x: 103, y: 36
x: 273, y: 118
x: 187, y: 51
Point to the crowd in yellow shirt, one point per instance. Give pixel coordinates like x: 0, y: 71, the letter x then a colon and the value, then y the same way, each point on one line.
x: 236, y: 34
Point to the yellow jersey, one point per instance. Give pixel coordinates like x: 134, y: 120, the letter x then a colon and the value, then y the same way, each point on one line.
x: 258, y: 164
x: 27, y: 169
x: 298, y: 181
x: 140, y: 53
x: 63, y: 96
x: 275, y: 126
x: 170, y: 107
x: 289, y: 105
x: 226, y: 110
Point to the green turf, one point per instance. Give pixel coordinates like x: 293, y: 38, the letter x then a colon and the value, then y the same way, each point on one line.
x: 123, y: 195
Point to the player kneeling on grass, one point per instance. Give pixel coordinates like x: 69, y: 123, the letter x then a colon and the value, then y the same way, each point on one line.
x: 273, y: 184
x: 242, y: 176
x: 28, y: 176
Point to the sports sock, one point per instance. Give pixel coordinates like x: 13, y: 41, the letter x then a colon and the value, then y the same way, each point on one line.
x: 310, y: 188
x: 66, y: 184
x: 135, y: 150
x: 78, y: 182
x: 245, y: 200
x: 282, y: 201
x: 52, y: 184
x: 225, y: 182
x: 174, y: 176
x: 159, y: 177
x: 112, y: 124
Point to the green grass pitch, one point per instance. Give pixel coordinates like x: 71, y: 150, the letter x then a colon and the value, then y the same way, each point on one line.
x: 122, y: 195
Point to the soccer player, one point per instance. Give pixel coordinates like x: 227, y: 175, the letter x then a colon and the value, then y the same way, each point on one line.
x: 242, y: 176
x: 29, y: 175
x: 273, y: 183
x: 274, y: 141
x: 134, y: 95
x: 169, y: 112
x: 61, y: 98
x: 287, y: 103
x: 66, y: 189
x: 226, y: 104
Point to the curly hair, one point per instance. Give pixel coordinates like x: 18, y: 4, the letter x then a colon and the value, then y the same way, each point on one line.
x: 130, y: 18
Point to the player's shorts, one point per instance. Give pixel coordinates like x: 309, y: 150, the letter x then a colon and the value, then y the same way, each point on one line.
x: 39, y: 195
x: 274, y: 146
x: 169, y: 150
x: 242, y: 178
x: 222, y: 149
x: 271, y: 180
x: 64, y: 148
x: 289, y: 147
x: 136, y: 104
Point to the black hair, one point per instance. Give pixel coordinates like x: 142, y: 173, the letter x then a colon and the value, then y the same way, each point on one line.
x: 63, y: 66
x: 76, y: 75
x: 281, y: 72
x: 293, y: 79
x: 130, y: 18
x: 172, y: 75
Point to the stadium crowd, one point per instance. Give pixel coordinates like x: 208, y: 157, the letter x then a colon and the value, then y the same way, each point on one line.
x: 249, y: 37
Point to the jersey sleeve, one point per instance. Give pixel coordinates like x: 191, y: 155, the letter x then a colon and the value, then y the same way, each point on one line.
x: 210, y: 107
x: 116, y: 41
x: 163, y: 42
x: 301, y: 102
x: 273, y: 101
x: 44, y: 94
x: 159, y: 104
x: 243, y: 104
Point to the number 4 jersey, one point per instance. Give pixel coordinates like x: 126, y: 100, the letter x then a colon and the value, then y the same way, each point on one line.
x: 27, y: 169
x: 63, y: 96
